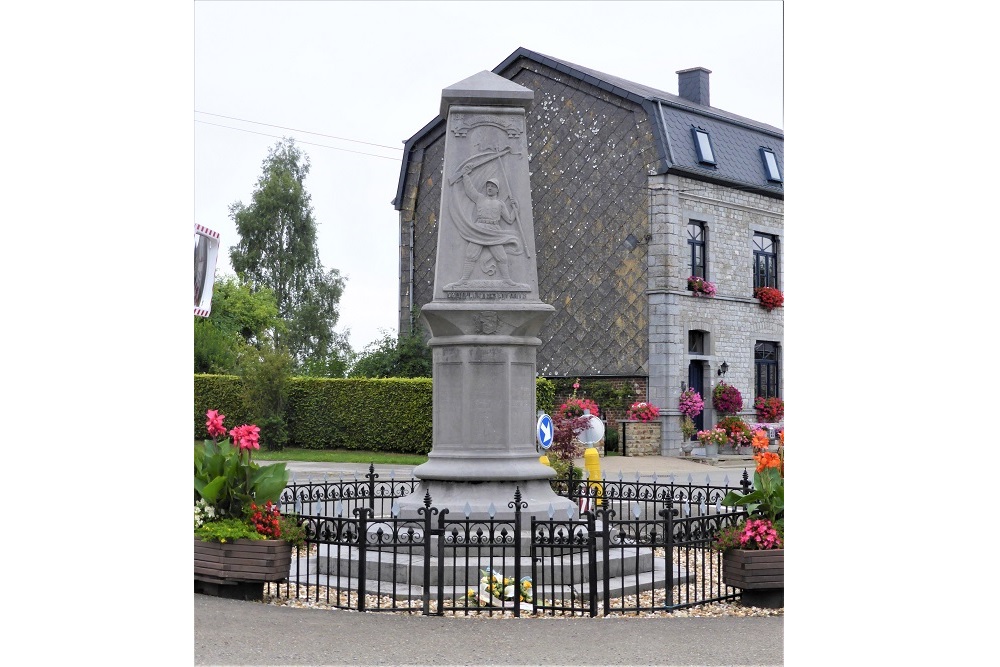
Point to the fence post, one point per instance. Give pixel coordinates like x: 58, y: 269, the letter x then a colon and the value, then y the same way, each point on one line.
x: 606, y: 552
x: 745, y: 482
x: 517, y: 505
x: 592, y: 553
x: 427, y: 511
x: 668, y: 547
x: 371, y: 476
x: 440, y: 560
x: 362, y: 514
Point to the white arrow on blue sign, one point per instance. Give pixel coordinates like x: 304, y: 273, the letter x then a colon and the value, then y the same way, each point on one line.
x: 544, y: 431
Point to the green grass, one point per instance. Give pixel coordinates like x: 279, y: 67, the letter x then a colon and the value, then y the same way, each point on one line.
x: 339, y: 456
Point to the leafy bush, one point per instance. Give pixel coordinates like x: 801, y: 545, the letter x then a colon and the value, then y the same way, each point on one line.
x: 545, y: 395
x: 385, y: 414
x: 611, y: 440
x: 228, y: 481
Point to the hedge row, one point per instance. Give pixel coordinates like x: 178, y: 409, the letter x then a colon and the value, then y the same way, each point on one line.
x: 392, y: 415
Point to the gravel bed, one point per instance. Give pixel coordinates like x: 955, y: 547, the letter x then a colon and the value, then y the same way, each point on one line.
x: 317, y: 596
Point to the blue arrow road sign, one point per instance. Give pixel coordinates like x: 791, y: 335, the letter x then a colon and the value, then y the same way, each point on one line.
x: 544, y: 431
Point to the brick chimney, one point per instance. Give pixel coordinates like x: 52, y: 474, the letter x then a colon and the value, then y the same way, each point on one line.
x: 692, y: 85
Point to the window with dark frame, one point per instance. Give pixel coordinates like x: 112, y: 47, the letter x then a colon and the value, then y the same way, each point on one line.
x: 770, y: 164
x: 696, y: 242
x: 765, y: 260
x: 767, y: 368
x: 696, y: 342
x: 706, y: 155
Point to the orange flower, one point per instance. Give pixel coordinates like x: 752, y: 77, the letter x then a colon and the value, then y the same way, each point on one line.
x: 760, y: 440
x: 782, y: 437
x: 767, y: 460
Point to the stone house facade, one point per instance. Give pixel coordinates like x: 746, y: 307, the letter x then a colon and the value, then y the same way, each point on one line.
x: 633, y: 190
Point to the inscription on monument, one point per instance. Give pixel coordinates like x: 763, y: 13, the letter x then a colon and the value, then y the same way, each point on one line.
x: 484, y: 296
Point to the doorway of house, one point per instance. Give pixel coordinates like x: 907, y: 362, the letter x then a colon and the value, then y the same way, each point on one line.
x: 696, y: 380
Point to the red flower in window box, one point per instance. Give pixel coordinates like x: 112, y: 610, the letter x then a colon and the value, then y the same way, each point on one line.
x: 770, y: 297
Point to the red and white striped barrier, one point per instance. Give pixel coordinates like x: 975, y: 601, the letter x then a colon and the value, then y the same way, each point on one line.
x: 206, y: 252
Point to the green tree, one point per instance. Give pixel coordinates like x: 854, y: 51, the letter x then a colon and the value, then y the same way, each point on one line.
x: 241, y: 319
x: 266, y: 372
x: 405, y: 357
x: 277, y: 251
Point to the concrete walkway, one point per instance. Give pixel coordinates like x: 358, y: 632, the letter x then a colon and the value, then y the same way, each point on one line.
x: 232, y: 632
x: 726, y: 470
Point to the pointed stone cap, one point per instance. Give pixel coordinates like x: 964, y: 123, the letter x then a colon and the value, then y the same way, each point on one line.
x: 486, y: 89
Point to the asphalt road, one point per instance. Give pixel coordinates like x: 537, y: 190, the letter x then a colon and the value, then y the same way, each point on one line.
x: 233, y: 632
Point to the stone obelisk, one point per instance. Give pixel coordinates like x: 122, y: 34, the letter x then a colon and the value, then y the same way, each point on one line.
x: 486, y: 314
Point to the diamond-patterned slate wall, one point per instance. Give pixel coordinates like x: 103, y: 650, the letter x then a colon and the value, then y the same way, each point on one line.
x: 590, y: 153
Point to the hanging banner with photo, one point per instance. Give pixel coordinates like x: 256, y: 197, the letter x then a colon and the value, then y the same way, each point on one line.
x: 206, y: 252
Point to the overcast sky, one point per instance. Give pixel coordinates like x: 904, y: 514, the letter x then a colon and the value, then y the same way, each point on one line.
x: 351, y: 81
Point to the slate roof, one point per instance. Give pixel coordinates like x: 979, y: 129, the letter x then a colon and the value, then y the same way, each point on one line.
x: 736, y: 140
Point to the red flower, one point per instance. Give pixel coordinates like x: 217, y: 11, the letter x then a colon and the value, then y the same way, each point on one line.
x: 246, y: 436
x: 214, y: 424
x: 770, y: 297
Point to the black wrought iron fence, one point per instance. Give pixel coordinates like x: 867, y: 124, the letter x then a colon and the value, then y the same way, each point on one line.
x: 638, y: 546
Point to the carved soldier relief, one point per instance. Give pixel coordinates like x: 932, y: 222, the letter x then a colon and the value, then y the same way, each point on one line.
x: 483, y: 206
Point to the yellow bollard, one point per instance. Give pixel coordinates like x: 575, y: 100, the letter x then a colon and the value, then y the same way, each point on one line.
x: 544, y: 460
x: 592, y: 462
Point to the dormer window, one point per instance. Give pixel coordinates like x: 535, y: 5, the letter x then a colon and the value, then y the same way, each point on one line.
x: 704, y: 145
x: 770, y: 164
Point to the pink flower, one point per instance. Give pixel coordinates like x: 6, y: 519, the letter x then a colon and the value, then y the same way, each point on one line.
x: 214, y: 424
x: 576, y: 385
x: 246, y: 436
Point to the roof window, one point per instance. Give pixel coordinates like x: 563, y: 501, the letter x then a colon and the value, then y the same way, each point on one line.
x: 770, y: 164
x: 705, y: 153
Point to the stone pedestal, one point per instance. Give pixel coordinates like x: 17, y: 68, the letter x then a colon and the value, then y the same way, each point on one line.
x: 639, y: 438
x: 486, y: 314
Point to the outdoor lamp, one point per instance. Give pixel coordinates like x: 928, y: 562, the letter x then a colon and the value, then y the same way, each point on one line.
x: 723, y: 368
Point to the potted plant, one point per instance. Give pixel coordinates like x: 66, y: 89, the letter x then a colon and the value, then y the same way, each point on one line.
x: 575, y: 407
x: 690, y: 403
x: 769, y: 410
x: 241, y: 540
x: 700, y: 286
x: 737, y: 432
x: 711, y: 439
x: 726, y: 399
x: 753, y: 559
x: 642, y: 411
x: 687, y: 432
x: 770, y: 297
x: 756, y: 561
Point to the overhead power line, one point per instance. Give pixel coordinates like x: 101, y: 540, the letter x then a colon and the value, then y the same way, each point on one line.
x: 310, y: 143
x: 293, y: 129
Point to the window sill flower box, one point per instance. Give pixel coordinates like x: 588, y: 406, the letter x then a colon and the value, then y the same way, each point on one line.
x: 700, y: 286
x: 770, y: 298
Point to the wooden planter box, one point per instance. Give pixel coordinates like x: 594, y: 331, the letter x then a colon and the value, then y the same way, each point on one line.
x: 754, y: 569
x: 242, y: 561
